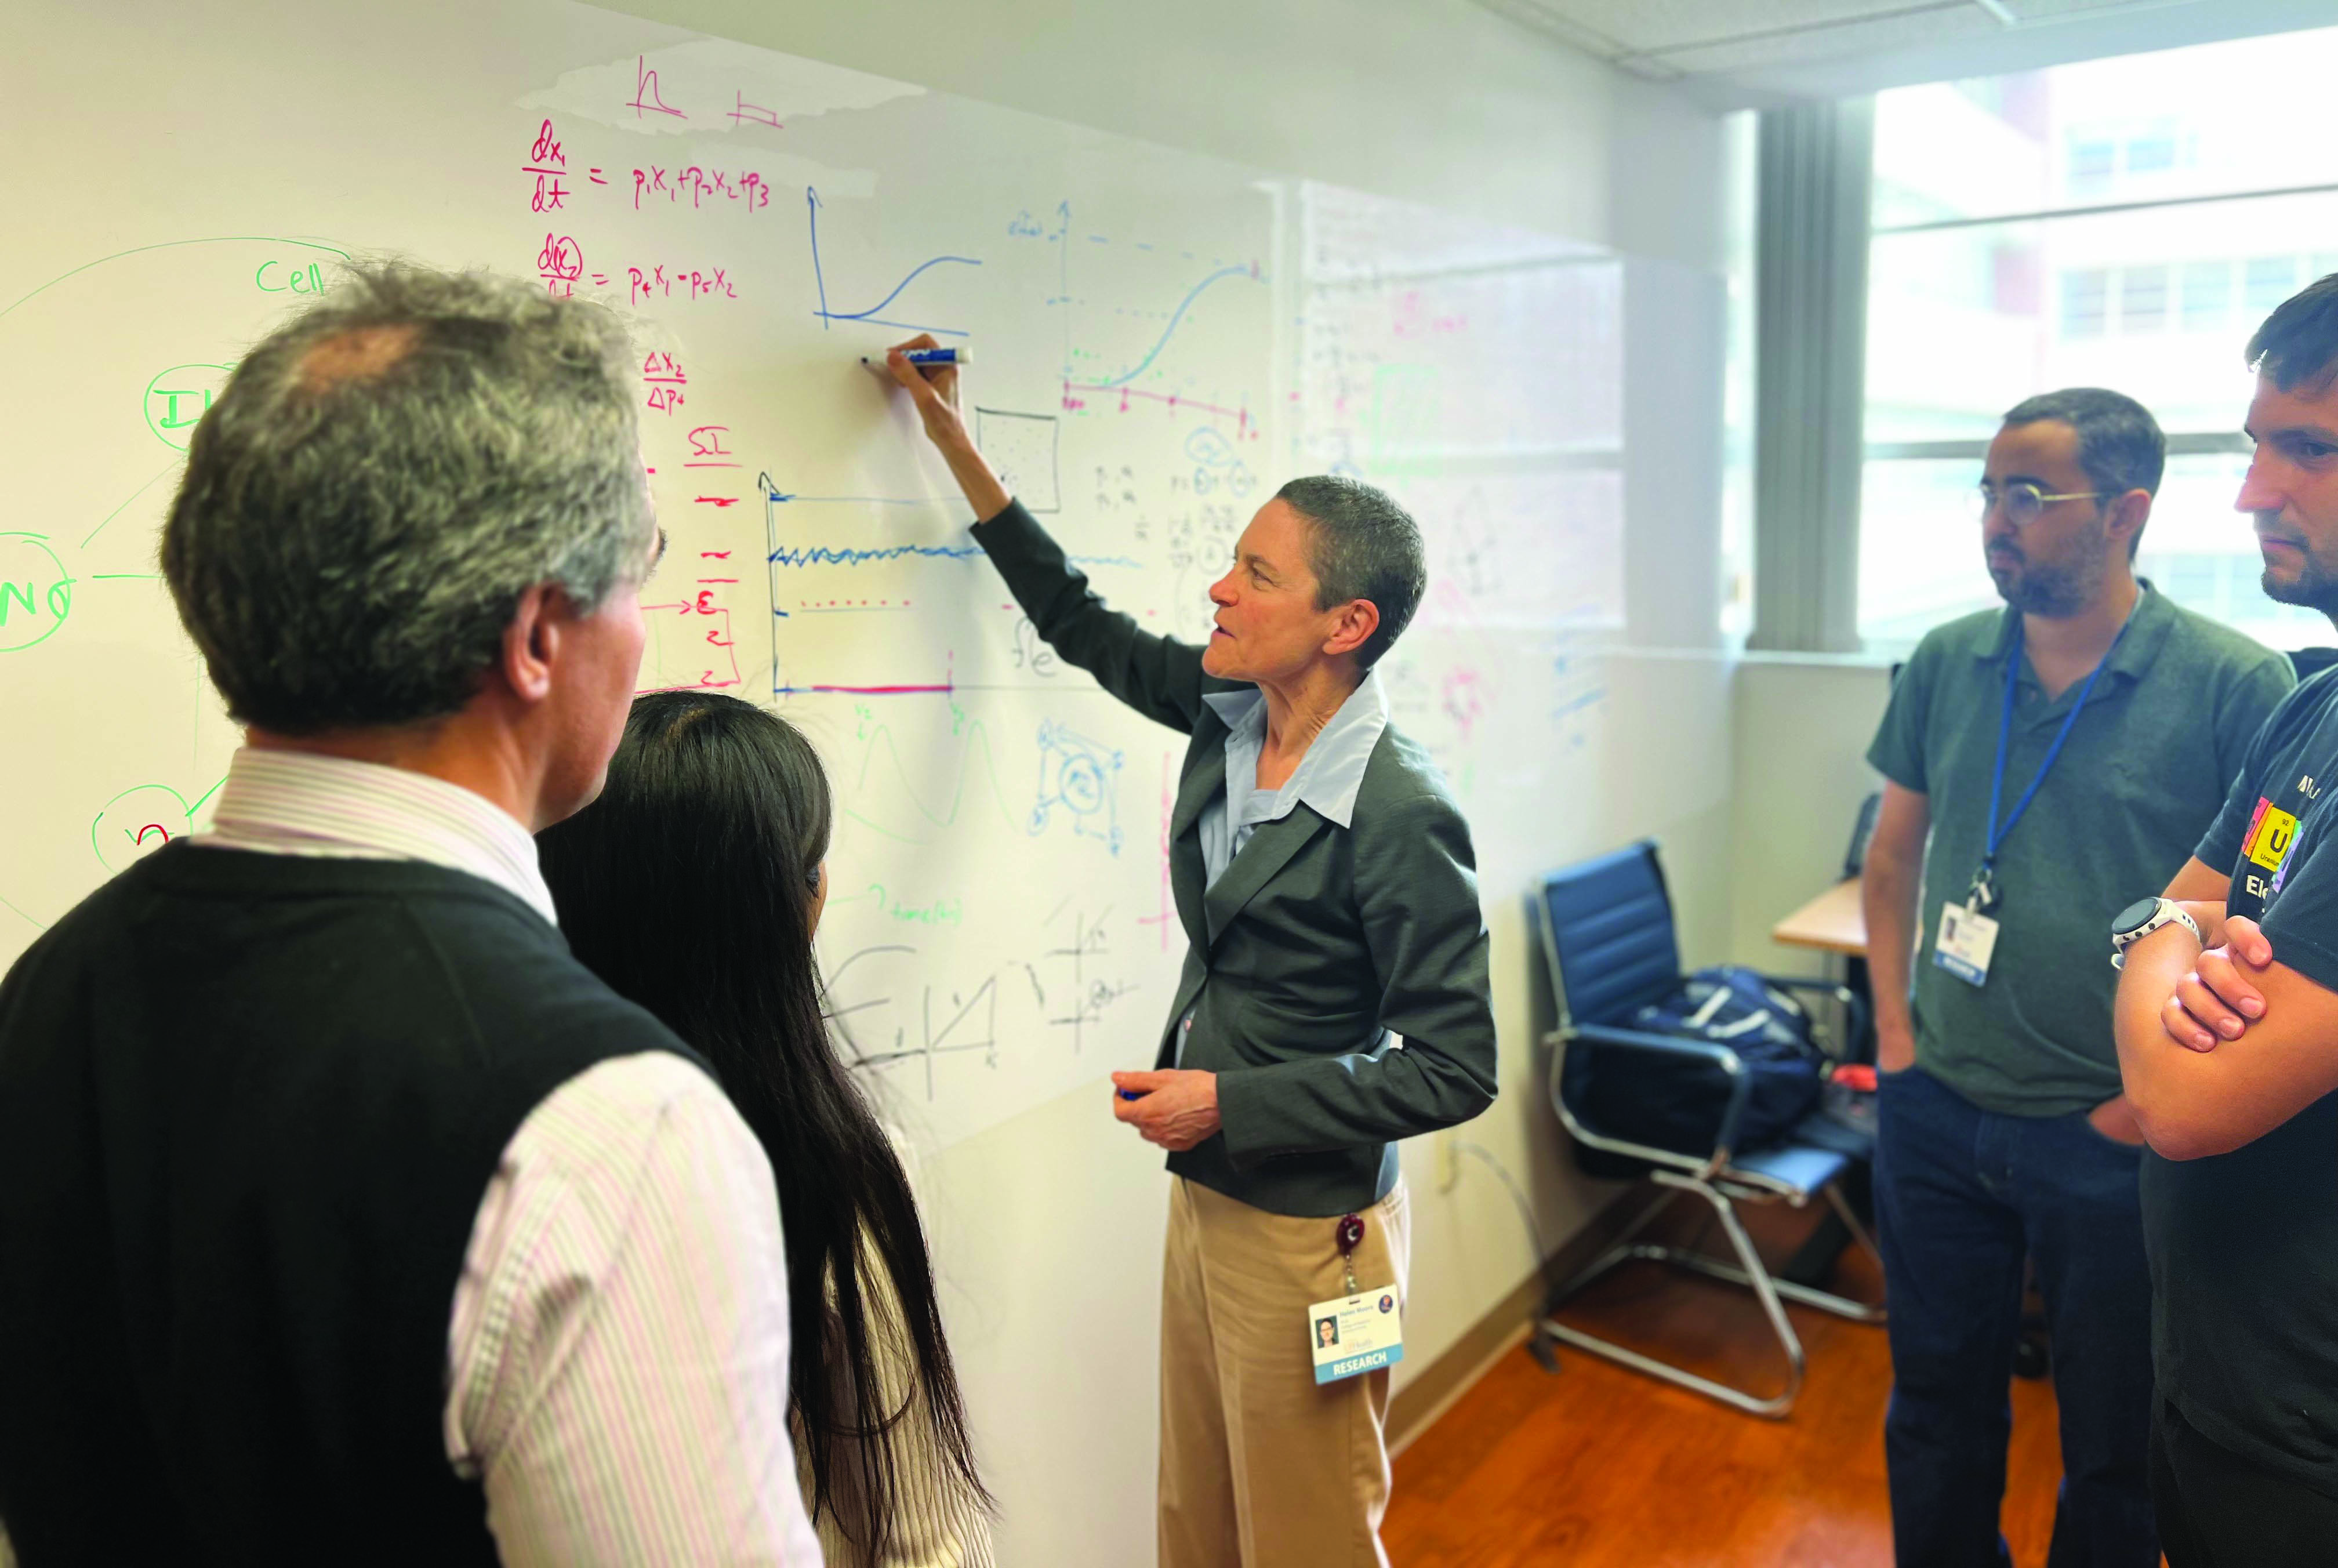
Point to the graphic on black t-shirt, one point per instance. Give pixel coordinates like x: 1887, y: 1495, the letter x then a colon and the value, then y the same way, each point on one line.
x: 2270, y: 848
x: 2264, y: 851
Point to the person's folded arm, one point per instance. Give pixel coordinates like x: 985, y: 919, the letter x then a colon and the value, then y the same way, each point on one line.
x: 2198, y: 883
x: 2191, y: 1102
x: 1417, y: 887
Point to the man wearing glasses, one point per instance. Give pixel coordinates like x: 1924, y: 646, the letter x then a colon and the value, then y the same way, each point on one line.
x: 2063, y: 755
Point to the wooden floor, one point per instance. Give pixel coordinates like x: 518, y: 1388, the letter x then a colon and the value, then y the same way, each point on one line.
x: 1598, y: 1466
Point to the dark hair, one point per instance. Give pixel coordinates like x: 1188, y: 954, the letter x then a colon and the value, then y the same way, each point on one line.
x: 2299, y: 341
x: 2120, y: 445
x: 688, y: 887
x: 1363, y: 547
x: 384, y: 476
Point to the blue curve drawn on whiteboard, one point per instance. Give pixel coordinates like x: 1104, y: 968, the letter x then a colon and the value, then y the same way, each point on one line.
x: 870, y: 316
x: 828, y: 555
x: 1175, y: 316
x: 833, y: 555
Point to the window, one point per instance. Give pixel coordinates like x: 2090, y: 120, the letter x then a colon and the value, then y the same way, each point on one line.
x: 2152, y: 151
x: 2269, y: 281
x: 2086, y: 301
x: 2093, y: 162
x: 2143, y: 298
x: 2208, y: 296
x: 2034, y: 232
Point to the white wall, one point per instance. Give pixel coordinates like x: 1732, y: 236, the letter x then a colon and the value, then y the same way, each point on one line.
x: 1433, y: 101
x: 1800, y: 772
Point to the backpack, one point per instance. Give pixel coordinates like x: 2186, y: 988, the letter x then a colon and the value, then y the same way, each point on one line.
x: 1677, y: 1102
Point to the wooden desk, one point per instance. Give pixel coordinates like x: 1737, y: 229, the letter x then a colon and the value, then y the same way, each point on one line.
x: 1832, y: 922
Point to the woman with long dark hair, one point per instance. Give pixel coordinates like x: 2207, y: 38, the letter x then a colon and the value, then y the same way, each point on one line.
x: 692, y: 885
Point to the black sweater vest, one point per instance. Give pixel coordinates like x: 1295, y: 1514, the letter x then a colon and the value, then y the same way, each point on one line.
x: 249, y: 1105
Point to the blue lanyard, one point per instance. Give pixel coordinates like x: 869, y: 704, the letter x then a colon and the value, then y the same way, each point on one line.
x: 1983, y: 890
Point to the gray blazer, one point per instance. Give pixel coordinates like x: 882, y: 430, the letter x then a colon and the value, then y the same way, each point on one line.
x: 1316, y: 944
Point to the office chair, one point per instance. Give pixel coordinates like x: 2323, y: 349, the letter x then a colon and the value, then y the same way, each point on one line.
x: 1607, y: 931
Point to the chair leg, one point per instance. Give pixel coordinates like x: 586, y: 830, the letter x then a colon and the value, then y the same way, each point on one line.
x: 1862, y: 1314
x: 1623, y: 1249
x: 1804, y: 1295
x: 1752, y: 1274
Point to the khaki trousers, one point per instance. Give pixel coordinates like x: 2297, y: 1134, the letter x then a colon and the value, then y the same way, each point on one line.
x: 1260, y: 1466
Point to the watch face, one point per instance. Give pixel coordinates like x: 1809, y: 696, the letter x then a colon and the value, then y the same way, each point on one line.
x: 2133, y: 917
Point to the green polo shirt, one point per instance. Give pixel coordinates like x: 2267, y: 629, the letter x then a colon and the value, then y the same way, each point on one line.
x: 2141, y: 778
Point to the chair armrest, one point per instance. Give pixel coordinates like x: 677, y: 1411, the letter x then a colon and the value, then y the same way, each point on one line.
x: 1854, y: 1005
x: 1741, y: 1085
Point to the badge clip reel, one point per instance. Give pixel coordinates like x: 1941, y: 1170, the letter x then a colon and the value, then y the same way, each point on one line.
x: 1982, y: 897
x: 1361, y: 1332
x: 1967, y: 938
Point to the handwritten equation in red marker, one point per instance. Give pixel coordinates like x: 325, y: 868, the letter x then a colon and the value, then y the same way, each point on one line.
x: 702, y: 187
x: 709, y: 618
x: 667, y: 281
x: 556, y: 184
x: 547, y: 160
x: 710, y: 447
x: 561, y: 264
x: 663, y: 378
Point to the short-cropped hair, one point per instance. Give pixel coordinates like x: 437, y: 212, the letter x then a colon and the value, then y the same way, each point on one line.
x: 2120, y: 445
x: 382, y: 480
x: 1363, y: 545
x: 2298, y: 343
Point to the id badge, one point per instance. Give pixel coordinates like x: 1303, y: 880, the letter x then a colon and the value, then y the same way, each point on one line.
x: 1967, y: 938
x: 1355, y: 1334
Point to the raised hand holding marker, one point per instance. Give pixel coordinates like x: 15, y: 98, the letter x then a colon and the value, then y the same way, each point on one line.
x: 933, y: 386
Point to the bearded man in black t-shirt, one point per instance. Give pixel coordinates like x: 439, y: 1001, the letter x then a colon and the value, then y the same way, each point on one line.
x: 2227, y: 1025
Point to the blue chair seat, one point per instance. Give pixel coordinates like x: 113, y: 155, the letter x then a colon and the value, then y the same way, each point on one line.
x: 1797, y: 1166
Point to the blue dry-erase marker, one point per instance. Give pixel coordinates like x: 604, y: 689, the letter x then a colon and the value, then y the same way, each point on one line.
x: 1130, y: 1094
x: 927, y: 359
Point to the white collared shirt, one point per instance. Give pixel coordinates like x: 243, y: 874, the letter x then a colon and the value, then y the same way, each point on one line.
x: 617, y: 1353
x: 1327, y: 779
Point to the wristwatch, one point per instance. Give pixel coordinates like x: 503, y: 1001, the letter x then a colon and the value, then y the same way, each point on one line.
x: 2141, y: 919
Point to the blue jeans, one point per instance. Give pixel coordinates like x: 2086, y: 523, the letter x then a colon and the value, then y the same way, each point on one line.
x: 1962, y: 1197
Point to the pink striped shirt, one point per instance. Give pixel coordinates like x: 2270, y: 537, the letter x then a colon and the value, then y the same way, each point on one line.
x: 617, y: 1355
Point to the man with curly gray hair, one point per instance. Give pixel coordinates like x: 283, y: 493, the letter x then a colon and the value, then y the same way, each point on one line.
x: 348, y: 1217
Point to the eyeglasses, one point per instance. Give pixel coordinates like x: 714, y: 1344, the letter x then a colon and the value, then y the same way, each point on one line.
x: 2022, y: 500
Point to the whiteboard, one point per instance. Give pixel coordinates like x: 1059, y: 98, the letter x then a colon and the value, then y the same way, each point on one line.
x: 1159, y: 341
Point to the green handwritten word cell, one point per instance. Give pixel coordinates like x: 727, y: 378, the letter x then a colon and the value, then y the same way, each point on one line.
x: 281, y: 277
x: 177, y: 398
x: 36, y: 592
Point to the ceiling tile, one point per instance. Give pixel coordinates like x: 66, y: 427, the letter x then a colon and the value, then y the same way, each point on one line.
x: 1854, y: 38
x: 2049, y: 10
x: 1638, y: 25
